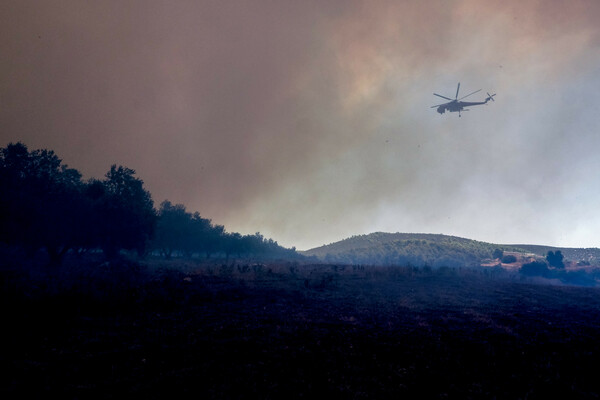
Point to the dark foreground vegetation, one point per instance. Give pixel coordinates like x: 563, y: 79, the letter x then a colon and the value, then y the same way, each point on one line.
x: 178, y: 329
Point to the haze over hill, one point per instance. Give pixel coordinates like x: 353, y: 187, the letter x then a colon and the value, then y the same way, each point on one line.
x: 311, y: 120
x: 435, y: 250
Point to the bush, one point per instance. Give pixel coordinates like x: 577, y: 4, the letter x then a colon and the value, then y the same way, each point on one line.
x: 580, y: 278
x: 509, y: 259
x: 535, y: 268
x: 555, y: 259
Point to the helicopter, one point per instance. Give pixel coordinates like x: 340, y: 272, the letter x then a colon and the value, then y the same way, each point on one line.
x: 456, y: 105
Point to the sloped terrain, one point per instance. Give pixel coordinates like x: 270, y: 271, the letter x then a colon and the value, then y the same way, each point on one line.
x: 418, y: 249
x: 382, y: 248
x: 590, y: 255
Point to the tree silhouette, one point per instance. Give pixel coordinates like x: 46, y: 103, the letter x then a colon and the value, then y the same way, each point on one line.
x: 498, y: 254
x: 173, y: 228
x: 535, y: 268
x: 45, y: 204
x: 555, y: 259
x: 509, y: 259
x: 206, y: 237
x: 126, y: 212
x: 180, y: 231
x: 40, y: 201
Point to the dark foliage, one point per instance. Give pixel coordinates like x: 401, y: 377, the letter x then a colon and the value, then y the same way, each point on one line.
x: 535, y: 268
x: 555, y: 259
x: 498, y: 254
x: 41, y: 201
x: 580, y: 277
x: 125, y: 212
x: 45, y: 205
x: 509, y: 259
x: 182, y: 233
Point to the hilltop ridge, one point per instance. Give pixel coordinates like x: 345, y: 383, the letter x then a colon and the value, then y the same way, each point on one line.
x: 383, y: 248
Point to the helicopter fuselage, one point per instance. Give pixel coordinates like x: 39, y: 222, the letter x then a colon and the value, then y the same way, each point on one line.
x: 458, y: 106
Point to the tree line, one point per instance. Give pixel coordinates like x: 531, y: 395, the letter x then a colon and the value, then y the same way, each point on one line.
x: 46, y: 205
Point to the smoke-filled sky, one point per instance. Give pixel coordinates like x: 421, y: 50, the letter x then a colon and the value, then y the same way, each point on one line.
x: 310, y: 121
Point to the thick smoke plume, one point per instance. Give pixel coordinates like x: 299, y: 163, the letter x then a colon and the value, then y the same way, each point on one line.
x: 311, y: 121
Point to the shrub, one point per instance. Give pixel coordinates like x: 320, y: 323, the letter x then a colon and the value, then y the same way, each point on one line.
x: 555, y: 259
x: 509, y: 259
x: 535, y: 268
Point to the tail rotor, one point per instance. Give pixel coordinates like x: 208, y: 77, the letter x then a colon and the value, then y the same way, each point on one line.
x: 490, y: 97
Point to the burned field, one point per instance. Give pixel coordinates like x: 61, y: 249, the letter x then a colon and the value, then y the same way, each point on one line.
x: 291, y: 330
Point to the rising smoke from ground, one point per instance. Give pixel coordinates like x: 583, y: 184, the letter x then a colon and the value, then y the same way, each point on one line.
x: 310, y: 121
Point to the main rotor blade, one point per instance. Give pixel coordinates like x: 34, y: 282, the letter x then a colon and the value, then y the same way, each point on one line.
x: 457, y: 89
x: 470, y: 94
x: 437, y: 105
x: 443, y: 97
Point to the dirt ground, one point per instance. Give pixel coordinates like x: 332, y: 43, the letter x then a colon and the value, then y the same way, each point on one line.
x: 295, y: 331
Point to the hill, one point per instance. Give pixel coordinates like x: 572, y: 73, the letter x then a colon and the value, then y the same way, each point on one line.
x: 590, y: 255
x: 435, y: 250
